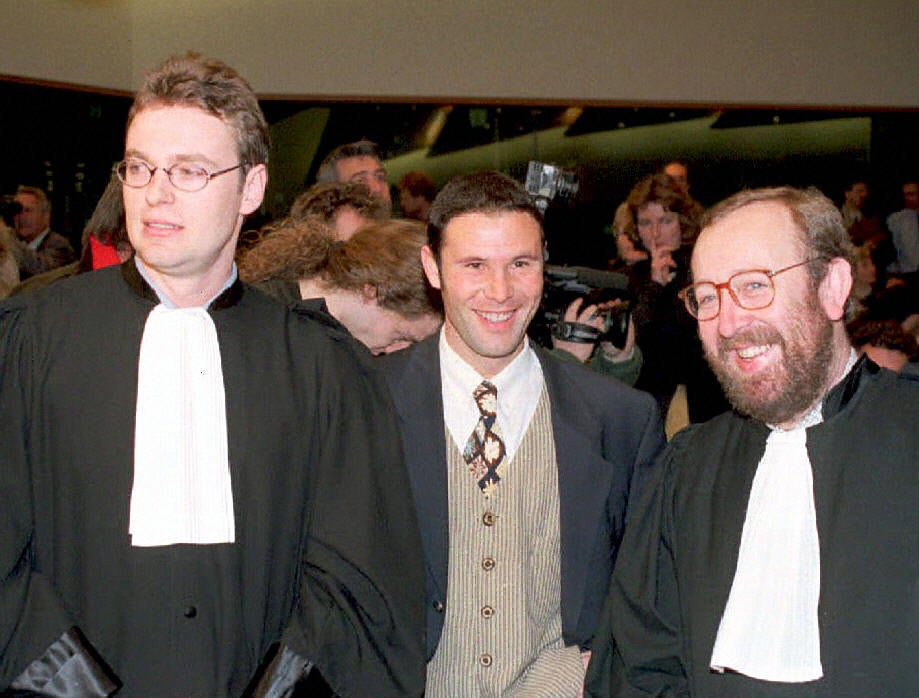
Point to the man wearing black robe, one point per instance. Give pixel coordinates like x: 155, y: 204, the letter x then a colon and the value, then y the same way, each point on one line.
x: 772, y: 273
x: 323, y: 554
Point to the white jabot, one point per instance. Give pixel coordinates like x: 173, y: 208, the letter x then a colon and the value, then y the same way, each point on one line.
x: 770, y: 628
x: 519, y: 386
x: 182, y: 491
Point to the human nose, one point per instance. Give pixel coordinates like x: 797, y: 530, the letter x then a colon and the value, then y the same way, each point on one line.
x: 159, y: 189
x: 730, y: 316
x: 498, y: 287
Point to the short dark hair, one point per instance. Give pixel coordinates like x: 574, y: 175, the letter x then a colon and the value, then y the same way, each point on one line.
x: 214, y: 87
x: 328, y: 171
x: 479, y: 192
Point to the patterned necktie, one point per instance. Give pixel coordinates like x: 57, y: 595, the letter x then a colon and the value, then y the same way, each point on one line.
x: 484, y: 450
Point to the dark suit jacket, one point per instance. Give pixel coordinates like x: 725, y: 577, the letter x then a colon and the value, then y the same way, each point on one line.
x: 607, y: 436
x: 54, y: 251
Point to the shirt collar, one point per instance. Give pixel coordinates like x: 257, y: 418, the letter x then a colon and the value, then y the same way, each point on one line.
x: 164, y: 299
x: 39, y: 239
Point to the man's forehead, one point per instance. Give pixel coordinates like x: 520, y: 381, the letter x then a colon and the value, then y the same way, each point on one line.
x: 348, y: 167
x: 755, y: 235
x: 510, y: 219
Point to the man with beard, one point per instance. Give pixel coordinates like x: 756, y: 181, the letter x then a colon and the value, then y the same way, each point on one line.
x: 776, y: 553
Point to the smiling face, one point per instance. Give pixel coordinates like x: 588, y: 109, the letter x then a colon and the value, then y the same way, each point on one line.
x: 490, y: 275
x: 187, y: 239
x: 774, y: 363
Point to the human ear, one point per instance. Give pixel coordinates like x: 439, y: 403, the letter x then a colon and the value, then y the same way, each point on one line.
x: 253, y: 189
x: 835, y: 287
x: 431, y: 270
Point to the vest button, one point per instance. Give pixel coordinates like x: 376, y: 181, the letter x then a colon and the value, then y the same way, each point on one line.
x: 488, y: 564
x: 489, y: 519
x: 190, y: 612
x: 487, y: 612
x: 438, y: 606
x: 485, y: 660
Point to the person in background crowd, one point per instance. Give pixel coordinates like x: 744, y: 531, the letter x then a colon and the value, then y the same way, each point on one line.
x: 904, y: 229
x: 193, y: 475
x: 344, y: 206
x: 37, y: 248
x: 357, y: 162
x: 416, y: 193
x: 663, y: 228
x: 760, y: 562
x: 862, y: 227
x: 521, y: 520
x: 372, y: 283
x: 885, y: 342
x: 678, y: 172
x: 105, y: 242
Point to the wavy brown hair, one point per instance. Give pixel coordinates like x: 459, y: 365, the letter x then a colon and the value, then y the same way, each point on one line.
x: 660, y: 189
x: 383, y: 255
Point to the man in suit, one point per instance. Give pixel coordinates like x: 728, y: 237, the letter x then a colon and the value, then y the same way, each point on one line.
x: 521, y: 465
x: 38, y: 249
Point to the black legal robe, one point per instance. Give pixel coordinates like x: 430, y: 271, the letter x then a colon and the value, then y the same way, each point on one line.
x: 327, y: 552
x: 679, y: 554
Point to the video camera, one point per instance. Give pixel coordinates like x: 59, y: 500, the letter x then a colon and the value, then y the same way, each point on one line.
x: 562, y: 286
x: 544, y: 182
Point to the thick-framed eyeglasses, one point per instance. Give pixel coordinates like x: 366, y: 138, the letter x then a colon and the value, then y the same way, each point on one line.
x: 183, y: 176
x: 751, y: 290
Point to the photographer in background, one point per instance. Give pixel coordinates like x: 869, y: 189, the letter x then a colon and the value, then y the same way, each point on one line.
x: 583, y: 316
x: 589, y: 341
x: 664, y: 225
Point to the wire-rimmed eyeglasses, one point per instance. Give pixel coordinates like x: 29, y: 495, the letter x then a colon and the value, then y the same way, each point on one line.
x: 183, y: 176
x: 751, y: 290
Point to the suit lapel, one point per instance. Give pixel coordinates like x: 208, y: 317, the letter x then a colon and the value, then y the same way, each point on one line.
x: 419, y: 403
x: 580, y: 487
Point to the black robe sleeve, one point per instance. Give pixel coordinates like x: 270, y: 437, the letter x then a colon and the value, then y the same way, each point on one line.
x: 637, y: 648
x: 360, y: 614
x: 40, y: 651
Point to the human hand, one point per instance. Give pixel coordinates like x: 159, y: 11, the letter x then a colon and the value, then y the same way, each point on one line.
x: 593, y: 316
x: 662, y: 265
x: 619, y: 354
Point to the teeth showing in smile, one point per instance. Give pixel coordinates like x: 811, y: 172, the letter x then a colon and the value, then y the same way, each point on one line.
x: 751, y: 352
x: 163, y: 226
x: 496, y: 317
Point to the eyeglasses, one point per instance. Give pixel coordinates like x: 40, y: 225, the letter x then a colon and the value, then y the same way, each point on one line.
x: 751, y: 290
x: 137, y: 174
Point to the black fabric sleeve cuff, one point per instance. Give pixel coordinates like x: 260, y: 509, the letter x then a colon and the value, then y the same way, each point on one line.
x: 284, y: 676
x: 69, y: 668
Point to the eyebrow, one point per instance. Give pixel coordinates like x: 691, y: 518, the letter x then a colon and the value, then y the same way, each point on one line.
x: 185, y: 157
